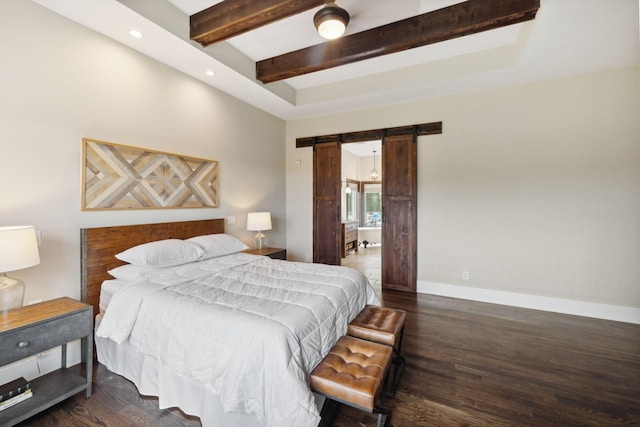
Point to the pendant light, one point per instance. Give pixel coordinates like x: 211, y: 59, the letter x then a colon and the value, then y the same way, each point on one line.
x: 374, y: 172
x: 331, y: 21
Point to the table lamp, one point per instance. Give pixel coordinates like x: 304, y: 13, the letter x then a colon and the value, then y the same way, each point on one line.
x: 259, y: 221
x: 18, y: 250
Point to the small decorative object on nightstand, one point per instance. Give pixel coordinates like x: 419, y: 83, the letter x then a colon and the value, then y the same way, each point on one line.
x: 32, y: 329
x: 274, y: 253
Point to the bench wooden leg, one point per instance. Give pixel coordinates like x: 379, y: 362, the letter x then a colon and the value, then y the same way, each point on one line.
x: 398, y: 367
x: 383, y: 413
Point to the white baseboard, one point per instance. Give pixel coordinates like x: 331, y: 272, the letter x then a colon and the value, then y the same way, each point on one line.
x: 556, y: 305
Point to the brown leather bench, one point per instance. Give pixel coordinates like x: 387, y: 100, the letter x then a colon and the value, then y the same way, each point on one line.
x: 382, y: 325
x: 353, y: 373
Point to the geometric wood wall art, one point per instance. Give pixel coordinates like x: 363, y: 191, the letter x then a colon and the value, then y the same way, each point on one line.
x: 117, y: 176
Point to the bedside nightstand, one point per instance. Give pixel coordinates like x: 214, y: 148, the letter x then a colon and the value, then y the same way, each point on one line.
x: 274, y: 253
x: 32, y: 329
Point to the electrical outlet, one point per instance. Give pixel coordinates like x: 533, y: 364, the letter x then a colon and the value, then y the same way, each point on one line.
x: 465, y: 275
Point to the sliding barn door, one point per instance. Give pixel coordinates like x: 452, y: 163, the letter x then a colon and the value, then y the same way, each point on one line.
x: 326, y: 203
x: 399, y: 213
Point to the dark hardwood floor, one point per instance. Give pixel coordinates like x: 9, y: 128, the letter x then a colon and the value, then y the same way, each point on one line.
x: 468, y: 364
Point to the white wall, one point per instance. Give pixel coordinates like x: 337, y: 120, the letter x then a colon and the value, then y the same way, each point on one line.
x: 534, y: 189
x: 61, y: 82
x: 350, y: 166
x: 366, y: 166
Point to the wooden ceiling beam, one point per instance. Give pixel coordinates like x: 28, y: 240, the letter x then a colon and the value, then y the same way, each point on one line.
x: 458, y: 20
x: 233, y: 17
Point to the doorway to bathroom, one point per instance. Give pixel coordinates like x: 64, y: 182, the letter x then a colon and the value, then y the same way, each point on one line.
x: 361, y: 208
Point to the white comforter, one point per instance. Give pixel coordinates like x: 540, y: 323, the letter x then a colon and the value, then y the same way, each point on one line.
x: 247, y: 327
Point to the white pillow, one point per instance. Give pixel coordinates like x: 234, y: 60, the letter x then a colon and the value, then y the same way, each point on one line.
x: 216, y: 245
x: 130, y: 272
x: 162, y: 253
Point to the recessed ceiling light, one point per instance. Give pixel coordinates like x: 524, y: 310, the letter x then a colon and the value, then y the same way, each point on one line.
x: 135, y: 33
x: 210, y: 73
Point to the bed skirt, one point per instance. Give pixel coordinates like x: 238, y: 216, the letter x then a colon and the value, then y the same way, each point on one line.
x: 153, y: 379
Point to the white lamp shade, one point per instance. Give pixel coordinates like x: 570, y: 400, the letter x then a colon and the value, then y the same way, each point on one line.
x: 18, y: 248
x: 258, y: 221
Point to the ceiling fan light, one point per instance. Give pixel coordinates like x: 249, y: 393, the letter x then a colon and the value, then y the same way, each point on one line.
x: 331, y: 21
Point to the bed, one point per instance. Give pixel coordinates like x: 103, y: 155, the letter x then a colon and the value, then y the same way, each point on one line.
x: 229, y: 338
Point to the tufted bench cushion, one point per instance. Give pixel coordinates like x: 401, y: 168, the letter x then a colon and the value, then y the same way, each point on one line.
x: 385, y: 326
x: 353, y: 373
x: 379, y: 324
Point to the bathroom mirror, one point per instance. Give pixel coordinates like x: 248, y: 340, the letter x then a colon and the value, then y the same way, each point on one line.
x: 350, y: 200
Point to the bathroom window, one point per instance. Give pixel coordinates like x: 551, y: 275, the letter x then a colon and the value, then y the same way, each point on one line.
x: 372, y: 204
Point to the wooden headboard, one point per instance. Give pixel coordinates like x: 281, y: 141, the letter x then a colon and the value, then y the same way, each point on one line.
x: 98, y: 247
